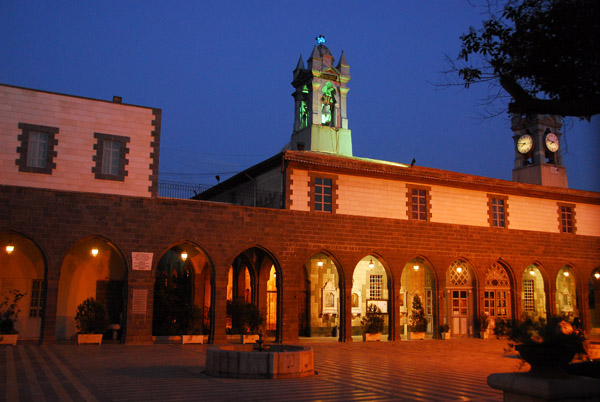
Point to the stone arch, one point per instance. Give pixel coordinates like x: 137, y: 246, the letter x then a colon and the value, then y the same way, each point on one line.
x: 323, y: 276
x: 184, y: 281
x: 23, y: 269
x: 418, y: 278
x: 92, y: 267
x: 265, y: 284
x: 372, y: 283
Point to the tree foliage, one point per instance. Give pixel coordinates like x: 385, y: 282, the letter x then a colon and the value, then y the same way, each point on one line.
x: 544, y: 53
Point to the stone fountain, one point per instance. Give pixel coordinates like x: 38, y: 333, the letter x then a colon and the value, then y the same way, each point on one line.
x: 259, y: 361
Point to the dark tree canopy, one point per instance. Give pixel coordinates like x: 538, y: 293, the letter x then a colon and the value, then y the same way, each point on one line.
x: 544, y: 53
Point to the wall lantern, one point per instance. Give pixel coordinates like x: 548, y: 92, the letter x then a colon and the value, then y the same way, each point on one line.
x: 94, y: 251
x: 416, y: 267
x: 566, y: 273
x: 459, y: 269
x: 371, y: 265
x: 319, y: 263
x: 184, y: 256
x: 532, y: 272
x: 597, y: 275
x: 10, y: 248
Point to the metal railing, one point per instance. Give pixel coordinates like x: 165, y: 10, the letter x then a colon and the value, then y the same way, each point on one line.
x: 262, y: 199
x: 173, y: 189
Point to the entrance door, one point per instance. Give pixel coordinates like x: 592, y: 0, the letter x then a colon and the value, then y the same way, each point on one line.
x: 459, y: 312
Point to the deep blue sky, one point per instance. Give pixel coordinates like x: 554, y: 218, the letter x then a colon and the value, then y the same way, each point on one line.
x: 221, y: 73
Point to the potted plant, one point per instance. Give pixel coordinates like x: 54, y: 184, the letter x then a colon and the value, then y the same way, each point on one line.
x: 445, y: 331
x: 245, y: 319
x: 9, y: 312
x: 195, y: 326
x: 372, y: 324
x: 548, y: 346
x: 91, y: 320
x: 418, y: 323
x: 484, y: 322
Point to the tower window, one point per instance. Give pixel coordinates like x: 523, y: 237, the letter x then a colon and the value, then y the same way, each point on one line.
x: 110, y: 158
x: 566, y: 218
x: 418, y: 203
x: 36, y: 153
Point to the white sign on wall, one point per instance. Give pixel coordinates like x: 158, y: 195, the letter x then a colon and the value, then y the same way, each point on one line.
x: 141, y: 261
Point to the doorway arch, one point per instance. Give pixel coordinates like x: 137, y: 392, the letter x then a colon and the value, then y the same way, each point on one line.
x: 460, y: 285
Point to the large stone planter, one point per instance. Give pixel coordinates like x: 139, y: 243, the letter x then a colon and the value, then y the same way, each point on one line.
x: 372, y: 337
x: 545, y: 359
x: 416, y: 336
x: 446, y: 336
x: 9, y: 339
x: 89, y: 338
x: 242, y: 361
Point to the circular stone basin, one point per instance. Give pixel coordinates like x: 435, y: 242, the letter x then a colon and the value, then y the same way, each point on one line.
x: 242, y: 361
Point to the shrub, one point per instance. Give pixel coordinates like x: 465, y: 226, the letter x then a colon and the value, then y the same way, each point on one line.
x: 9, y: 312
x: 245, y: 317
x: 372, y: 322
x: 418, y: 322
x: 91, y: 317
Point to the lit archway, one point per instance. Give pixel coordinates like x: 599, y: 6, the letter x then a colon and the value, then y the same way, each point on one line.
x: 370, y: 286
x: 497, y: 293
x: 461, y: 308
x: 255, y: 277
x: 594, y: 300
x: 92, y: 267
x: 22, y: 268
x: 566, y: 293
x: 418, y: 278
x: 533, y: 295
x: 319, y: 300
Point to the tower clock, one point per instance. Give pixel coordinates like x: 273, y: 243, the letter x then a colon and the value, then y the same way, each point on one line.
x: 537, y: 150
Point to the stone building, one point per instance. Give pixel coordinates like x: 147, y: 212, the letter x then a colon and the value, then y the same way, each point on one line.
x: 312, y: 235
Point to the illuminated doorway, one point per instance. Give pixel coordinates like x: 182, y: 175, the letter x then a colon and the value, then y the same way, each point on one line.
x: 460, y: 282
x: 418, y: 278
x: 370, y: 286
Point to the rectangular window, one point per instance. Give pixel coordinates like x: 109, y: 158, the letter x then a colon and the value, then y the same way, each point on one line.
x: 566, y: 218
x: 498, y: 211
x: 323, y: 194
x: 35, y: 307
x: 428, y: 302
x: 418, y: 203
x: 528, y: 296
x: 111, y: 157
x: 375, y: 287
x: 36, y: 152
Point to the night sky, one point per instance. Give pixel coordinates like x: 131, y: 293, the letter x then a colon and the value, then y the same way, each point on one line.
x: 221, y: 73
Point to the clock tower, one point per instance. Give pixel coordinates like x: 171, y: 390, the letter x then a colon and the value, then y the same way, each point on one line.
x: 538, y: 157
x: 320, y: 114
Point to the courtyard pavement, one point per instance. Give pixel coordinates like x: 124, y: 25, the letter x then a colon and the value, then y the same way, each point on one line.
x: 429, y: 370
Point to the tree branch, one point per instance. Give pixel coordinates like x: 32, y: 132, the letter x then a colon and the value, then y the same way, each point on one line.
x: 523, y: 103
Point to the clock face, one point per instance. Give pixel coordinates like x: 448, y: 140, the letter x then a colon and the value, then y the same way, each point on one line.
x: 524, y: 143
x: 552, y: 142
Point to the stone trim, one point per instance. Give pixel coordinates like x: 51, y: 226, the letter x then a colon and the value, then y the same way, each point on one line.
x: 491, y: 211
x: 311, y: 191
x: 21, y: 162
x: 154, y: 154
x: 123, y: 161
x: 409, y: 189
